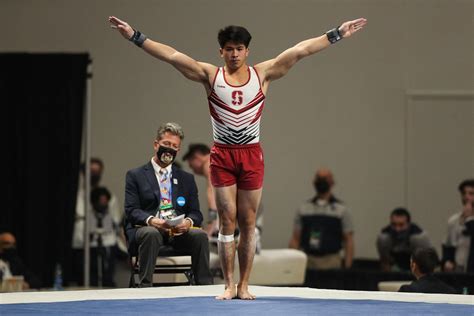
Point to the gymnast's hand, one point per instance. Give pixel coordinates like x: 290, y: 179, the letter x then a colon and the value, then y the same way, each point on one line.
x: 122, y: 26
x: 350, y: 27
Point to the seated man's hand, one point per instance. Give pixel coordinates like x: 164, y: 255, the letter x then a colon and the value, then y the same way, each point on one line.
x: 182, y: 228
x: 159, y: 223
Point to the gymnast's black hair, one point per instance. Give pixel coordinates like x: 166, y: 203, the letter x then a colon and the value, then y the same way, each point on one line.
x: 234, y: 34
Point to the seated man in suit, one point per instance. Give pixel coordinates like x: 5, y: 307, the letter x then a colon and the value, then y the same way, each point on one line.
x: 158, y: 191
x: 422, y: 264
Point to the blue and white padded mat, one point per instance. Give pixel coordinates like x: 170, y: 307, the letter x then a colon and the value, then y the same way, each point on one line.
x: 199, y: 300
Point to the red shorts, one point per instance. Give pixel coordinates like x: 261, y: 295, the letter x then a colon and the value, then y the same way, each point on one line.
x: 237, y: 164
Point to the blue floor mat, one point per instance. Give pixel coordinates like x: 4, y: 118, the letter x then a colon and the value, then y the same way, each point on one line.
x: 288, y: 306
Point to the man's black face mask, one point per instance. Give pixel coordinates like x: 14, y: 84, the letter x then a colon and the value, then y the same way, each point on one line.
x: 322, y: 186
x: 9, y: 253
x: 166, y: 155
x: 99, y: 208
x: 95, y: 179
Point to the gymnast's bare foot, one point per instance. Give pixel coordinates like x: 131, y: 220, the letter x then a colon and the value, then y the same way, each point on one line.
x: 243, y: 292
x: 229, y: 293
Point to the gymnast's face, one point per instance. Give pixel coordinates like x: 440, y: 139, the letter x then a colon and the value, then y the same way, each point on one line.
x: 234, y: 54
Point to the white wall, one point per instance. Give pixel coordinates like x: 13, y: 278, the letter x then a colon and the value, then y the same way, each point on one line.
x: 346, y: 108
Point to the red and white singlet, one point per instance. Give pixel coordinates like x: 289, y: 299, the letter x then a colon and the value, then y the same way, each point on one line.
x: 236, y: 110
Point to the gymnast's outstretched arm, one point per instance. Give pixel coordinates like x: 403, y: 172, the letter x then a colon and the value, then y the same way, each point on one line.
x: 276, y: 68
x: 190, y: 68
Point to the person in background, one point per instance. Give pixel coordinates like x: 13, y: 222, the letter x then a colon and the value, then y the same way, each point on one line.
x: 11, y: 263
x: 323, y: 227
x: 102, y: 228
x: 422, y: 265
x: 458, y: 249
x: 74, y: 274
x: 397, y: 241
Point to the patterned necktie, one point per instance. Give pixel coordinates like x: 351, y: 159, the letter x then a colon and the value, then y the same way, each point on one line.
x: 165, y: 190
x: 163, y: 175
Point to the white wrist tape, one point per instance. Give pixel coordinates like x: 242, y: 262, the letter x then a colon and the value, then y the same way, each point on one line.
x: 225, y: 238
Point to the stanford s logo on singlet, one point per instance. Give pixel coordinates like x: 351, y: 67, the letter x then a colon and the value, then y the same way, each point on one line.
x: 237, y: 97
x: 236, y: 110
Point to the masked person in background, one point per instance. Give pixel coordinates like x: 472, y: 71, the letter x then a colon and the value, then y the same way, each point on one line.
x: 323, y: 227
x: 12, y: 265
x: 397, y: 241
x: 74, y: 273
x: 102, y: 230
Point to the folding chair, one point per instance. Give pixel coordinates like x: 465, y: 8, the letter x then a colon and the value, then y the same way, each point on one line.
x: 175, y: 266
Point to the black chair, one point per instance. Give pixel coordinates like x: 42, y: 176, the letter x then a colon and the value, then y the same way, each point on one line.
x: 165, y: 252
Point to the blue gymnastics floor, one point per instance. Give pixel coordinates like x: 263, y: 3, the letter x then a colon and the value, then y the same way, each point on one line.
x: 287, y: 306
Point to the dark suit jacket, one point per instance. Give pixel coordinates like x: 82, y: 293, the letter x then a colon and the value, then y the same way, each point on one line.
x: 428, y: 284
x: 142, y: 198
x: 17, y: 267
